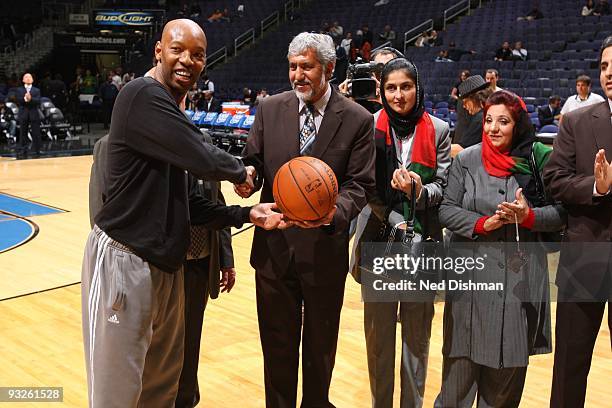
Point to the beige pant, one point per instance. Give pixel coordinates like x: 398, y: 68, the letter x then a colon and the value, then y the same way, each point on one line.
x: 133, y: 327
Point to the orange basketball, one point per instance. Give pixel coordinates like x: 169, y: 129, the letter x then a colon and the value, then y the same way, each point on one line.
x: 305, y: 188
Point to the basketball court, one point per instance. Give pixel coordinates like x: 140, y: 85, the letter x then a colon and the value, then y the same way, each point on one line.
x: 44, y: 224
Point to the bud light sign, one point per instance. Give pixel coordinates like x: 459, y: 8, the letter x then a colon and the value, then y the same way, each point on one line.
x: 123, y: 18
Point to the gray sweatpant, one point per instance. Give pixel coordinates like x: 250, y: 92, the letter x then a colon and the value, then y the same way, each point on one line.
x: 133, y: 327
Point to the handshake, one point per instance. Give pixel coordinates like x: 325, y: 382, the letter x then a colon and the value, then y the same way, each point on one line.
x: 268, y: 215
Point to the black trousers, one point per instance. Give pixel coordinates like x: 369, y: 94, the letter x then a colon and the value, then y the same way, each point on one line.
x: 282, y: 327
x: 575, y: 334
x: 34, y: 124
x: 196, y: 297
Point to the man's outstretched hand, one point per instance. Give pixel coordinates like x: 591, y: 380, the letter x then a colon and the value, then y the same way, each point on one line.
x: 264, y: 216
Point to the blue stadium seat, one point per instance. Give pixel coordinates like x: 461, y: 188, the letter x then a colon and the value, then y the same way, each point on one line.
x: 222, y: 120
x: 535, y: 122
x: 549, y: 129
x: 442, y: 111
x: 209, y: 119
x: 197, y: 117
x: 442, y: 105
x: 248, y: 122
x: 237, y: 121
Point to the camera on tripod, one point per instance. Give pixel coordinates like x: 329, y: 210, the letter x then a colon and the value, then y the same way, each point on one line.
x: 362, y: 85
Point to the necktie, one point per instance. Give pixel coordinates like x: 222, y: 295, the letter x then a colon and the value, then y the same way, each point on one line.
x: 308, y: 132
x: 198, y: 248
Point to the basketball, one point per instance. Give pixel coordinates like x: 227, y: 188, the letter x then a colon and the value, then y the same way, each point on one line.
x: 305, y: 189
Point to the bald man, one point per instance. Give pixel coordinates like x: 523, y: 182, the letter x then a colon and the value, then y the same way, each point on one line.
x: 132, y: 278
x: 28, y: 99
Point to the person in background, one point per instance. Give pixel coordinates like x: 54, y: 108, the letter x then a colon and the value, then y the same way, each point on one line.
x: 518, y: 52
x: 28, y: 99
x: 584, y: 96
x: 551, y: 113
x: 492, y: 77
x: 108, y: 93
x: 463, y: 75
x: 473, y: 92
x: 588, y: 8
x: 504, y: 53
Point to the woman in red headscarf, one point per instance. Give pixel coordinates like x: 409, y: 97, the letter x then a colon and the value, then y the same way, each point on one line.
x: 496, y: 208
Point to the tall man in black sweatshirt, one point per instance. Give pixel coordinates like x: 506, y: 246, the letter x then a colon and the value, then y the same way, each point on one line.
x: 132, y: 280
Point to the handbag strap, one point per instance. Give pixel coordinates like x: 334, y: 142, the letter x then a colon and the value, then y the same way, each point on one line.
x: 537, y: 176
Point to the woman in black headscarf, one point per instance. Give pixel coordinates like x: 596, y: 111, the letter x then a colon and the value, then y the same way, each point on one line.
x: 412, y: 148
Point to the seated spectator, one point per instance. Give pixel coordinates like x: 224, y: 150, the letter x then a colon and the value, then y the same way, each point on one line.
x: 216, y: 16
x: 434, y: 39
x: 90, y: 84
x: 534, y: 14
x: 195, y: 10
x: 584, y: 96
x: 336, y: 31
x: 240, y: 10
x: 226, y: 16
x: 455, y: 53
x: 492, y: 76
x: 443, y: 57
x: 519, y: 53
x: 347, y: 43
x: 504, y: 53
x: 381, y: 3
x: 588, y: 8
x: 368, y: 36
x: 261, y: 95
x: 551, y: 113
x: 248, y: 97
x: 422, y: 40
x: 602, y: 8
x: 209, y: 103
x: 387, y: 35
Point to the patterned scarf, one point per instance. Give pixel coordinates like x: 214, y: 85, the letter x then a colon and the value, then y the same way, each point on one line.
x: 423, y: 159
x: 516, y: 161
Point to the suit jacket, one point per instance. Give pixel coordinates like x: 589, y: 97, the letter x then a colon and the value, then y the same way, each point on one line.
x: 584, y: 269
x: 215, y: 105
x: 344, y: 141
x: 545, y: 115
x: 221, y: 253
x: 28, y: 110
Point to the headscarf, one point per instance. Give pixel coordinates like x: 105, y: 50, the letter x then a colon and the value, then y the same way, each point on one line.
x: 403, y: 125
x: 517, y: 160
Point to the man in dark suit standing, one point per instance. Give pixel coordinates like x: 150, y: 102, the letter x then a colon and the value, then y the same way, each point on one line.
x: 580, y: 176
x: 28, y: 99
x: 307, y: 266
x: 550, y: 114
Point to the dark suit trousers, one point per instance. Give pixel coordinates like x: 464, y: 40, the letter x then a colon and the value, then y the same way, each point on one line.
x: 196, y: 298
x: 23, y: 136
x: 279, y: 311
x: 577, y: 325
